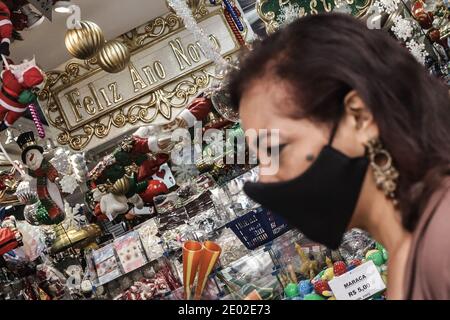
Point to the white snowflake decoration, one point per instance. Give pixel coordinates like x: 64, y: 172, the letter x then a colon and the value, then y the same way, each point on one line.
x: 402, y: 28
x: 68, y: 184
x: 388, y: 6
x: 417, y: 50
x: 74, y: 216
x: 288, y: 14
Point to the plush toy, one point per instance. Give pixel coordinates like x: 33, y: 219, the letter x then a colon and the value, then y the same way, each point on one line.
x: 16, y: 93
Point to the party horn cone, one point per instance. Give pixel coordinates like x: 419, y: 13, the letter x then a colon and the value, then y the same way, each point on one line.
x: 192, y: 251
x: 210, y: 254
x: 254, y: 295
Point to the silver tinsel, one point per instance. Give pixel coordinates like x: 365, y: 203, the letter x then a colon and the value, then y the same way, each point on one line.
x: 185, y: 13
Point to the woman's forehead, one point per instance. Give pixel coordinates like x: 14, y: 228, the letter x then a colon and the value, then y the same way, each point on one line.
x: 263, y: 103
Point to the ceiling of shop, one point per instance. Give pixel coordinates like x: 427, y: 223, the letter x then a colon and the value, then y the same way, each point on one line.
x: 115, y: 17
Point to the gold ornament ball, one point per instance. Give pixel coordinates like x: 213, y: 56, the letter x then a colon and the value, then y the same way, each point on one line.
x: 85, y: 42
x: 113, y: 57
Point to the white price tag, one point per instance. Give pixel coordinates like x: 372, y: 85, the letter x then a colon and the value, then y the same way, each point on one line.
x: 360, y: 283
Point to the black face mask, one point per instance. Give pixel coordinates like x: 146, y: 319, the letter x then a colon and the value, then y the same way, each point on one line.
x: 321, y: 201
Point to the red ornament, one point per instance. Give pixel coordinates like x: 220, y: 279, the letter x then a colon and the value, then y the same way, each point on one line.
x: 434, y: 35
x: 320, y: 286
x: 417, y: 8
x: 339, y: 268
x: 154, y: 188
x: 355, y: 262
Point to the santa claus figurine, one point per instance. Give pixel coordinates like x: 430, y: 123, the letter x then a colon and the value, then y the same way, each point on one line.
x: 158, y: 138
x: 16, y: 92
x: 6, y: 29
x: 10, y: 237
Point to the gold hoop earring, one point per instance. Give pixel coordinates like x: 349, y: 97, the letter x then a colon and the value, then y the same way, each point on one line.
x: 385, y: 174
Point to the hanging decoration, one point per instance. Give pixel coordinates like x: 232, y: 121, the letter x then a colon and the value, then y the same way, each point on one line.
x: 234, y: 14
x: 113, y: 57
x: 17, y: 90
x: 84, y: 42
x: 37, y: 121
x: 234, y: 28
x: 45, y: 174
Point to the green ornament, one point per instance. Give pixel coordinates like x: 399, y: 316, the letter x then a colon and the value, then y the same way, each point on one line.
x: 114, y: 172
x: 385, y: 254
x: 42, y: 215
x: 313, y: 296
x: 376, y: 256
x: 379, y: 246
x: 123, y: 158
x: 27, y: 97
x: 133, y: 187
x: 291, y: 290
x: 141, y: 186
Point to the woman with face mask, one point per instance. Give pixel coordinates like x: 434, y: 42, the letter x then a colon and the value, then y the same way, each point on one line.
x: 364, y: 142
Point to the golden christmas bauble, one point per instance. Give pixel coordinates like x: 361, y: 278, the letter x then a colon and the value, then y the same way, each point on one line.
x: 121, y: 186
x: 84, y: 43
x: 113, y: 57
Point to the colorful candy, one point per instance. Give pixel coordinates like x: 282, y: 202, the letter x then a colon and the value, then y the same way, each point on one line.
x: 291, y: 290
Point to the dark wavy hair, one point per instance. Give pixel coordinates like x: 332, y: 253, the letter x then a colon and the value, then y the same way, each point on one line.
x: 322, y: 57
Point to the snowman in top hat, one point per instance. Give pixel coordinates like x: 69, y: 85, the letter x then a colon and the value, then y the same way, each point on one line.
x: 42, y: 177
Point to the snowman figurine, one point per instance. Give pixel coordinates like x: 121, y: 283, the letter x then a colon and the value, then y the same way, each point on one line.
x: 42, y: 177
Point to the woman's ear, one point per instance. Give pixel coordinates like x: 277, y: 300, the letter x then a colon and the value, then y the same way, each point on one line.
x: 360, y: 117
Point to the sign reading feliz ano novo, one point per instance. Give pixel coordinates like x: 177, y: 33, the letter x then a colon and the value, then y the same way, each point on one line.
x: 162, y: 75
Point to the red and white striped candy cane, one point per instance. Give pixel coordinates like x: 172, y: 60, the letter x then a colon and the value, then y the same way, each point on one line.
x: 37, y: 120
